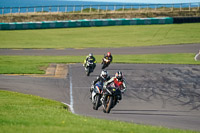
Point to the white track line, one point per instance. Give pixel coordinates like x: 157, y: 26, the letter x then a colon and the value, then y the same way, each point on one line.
x: 71, y: 91
x: 68, y: 106
x: 197, y: 56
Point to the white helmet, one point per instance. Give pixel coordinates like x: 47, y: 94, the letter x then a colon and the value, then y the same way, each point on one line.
x: 104, y: 74
x: 90, y: 54
x: 119, y: 75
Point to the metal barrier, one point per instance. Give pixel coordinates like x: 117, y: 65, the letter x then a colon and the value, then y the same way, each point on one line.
x: 101, y: 8
x: 178, y: 20
x: 84, y: 23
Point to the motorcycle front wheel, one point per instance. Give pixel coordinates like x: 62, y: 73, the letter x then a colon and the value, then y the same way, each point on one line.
x: 87, y: 72
x: 104, y: 65
x: 97, y: 102
x: 108, y: 104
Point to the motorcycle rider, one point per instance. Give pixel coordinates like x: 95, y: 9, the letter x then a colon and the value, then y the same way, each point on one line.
x: 107, y: 58
x: 117, y: 81
x: 102, y: 78
x: 90, y: 57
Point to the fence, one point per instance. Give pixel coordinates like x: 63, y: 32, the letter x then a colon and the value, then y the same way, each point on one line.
x: 101, y: 8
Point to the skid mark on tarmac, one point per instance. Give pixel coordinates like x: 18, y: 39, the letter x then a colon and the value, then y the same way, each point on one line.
x: 57, y: 70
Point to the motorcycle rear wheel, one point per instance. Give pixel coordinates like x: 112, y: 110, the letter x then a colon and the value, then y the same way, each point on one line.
x: 104, y: 66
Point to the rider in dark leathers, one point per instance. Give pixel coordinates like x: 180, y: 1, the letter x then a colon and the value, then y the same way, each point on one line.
x: 107, y: 58
x: 103, y: 77
x: 117, y: 81
x: 90, y: 57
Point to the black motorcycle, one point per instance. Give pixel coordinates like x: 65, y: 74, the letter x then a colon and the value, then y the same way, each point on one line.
x: 113, y: 95
x: 105, y: 63
x: 96, y: 95
x: 89, y: 68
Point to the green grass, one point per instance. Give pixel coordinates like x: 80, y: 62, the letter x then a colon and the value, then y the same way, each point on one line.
x: 20, y: 113
x: 33, y: 64
x: 179, y: 58
x: 113, y: 36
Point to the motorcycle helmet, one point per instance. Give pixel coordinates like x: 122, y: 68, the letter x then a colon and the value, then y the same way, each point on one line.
x: 104, y: 74
x: 119, y: 75
x: 90, y: 54
x: 108, y: 54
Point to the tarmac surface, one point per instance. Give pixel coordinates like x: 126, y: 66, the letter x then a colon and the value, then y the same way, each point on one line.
x: 185, y: 48
x: 164, y: 95
x: 157, y: 94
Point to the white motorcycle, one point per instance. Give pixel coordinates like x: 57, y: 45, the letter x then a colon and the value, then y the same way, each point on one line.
x: 96, y: 95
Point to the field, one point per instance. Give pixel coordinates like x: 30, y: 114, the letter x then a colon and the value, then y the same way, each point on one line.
x: 113, y: 36
x: 36, y: 64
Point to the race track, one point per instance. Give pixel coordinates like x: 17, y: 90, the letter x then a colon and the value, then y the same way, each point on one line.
x: 185, y: 48
x: 162, y: 95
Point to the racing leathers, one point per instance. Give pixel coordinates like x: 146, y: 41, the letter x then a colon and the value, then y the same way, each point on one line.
x: 92, y: 59
x: 107, y: 59
x: 114, y: 82
x: 101, y: 80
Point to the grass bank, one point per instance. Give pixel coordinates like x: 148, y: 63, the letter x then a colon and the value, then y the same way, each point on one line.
x: 27, y: 113
x: 36, y: 64
x: 99, y: 14
x: 113, y: 36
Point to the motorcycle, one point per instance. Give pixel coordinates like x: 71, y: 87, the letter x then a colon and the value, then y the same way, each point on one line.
x: 105, y: 63
x: 113, y: 95
x: 89, y: 68
x: 96, y: 95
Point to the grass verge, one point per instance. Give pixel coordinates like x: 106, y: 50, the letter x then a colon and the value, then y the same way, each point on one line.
x: 33, y: 64
x: 111, y: 36
x: 27, y: 113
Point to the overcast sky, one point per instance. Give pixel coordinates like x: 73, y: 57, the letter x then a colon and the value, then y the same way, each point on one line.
x: 147, y: 1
